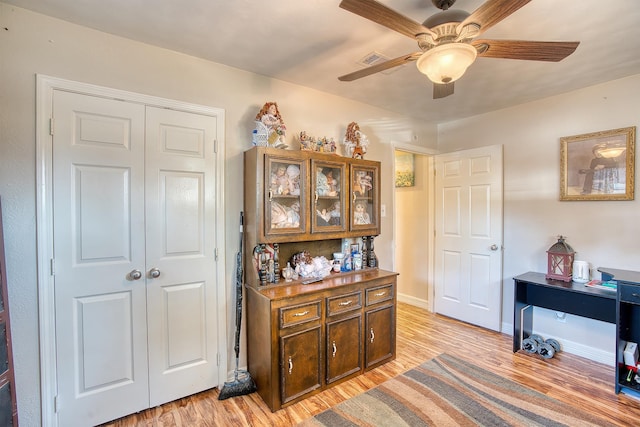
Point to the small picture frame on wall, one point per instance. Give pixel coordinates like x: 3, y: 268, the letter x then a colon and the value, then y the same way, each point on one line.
x: 405, y: 169
x: 598, y: 166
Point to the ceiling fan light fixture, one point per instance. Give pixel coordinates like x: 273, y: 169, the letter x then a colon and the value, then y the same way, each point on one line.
x: 446, y: 63
x: 609, y: 150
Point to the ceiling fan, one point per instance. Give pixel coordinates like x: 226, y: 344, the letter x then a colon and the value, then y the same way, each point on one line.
x: 447, y: 40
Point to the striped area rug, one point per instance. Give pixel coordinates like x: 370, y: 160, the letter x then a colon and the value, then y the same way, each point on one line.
x: 446, y: 391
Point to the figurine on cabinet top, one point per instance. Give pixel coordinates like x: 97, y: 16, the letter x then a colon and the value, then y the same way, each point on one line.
x: 355, y: 141
x: 321, y: 145
x: 270, y: 128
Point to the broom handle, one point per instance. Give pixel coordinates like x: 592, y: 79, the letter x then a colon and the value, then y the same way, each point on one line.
x: 239, y: 271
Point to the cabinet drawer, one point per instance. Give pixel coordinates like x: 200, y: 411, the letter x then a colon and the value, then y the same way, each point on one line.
x: 630, y: 294
x: 297, y: 314
x: 379, y: 294
x: 343, y: 303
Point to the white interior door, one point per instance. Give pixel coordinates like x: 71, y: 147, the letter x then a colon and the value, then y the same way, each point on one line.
x: 101, y: 324
x: 134, y: 192
x: 180, y: 196
x: 468, y: 243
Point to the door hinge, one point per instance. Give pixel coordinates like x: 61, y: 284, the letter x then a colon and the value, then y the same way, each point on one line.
x: 51, y: 126
x: 52, y: 267
x: 55, y: 404
x: 216, y: 254
x: 218, y: 358
x: 215, y: 146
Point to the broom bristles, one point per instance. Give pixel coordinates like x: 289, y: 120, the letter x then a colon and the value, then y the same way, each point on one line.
x: 238, y: 387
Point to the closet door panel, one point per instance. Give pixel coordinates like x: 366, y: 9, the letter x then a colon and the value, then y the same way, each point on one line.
x: 98, y: 227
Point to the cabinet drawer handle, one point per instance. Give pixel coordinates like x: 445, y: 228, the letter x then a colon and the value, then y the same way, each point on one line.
x: 290, y: 365
x: 345, y: 303
x: 379, y: 294
x: 333, y: 344
x: 303, y: 313
x: 635, y: 295
x: 373, y: 336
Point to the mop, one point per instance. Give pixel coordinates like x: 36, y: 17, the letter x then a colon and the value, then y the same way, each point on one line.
x: 242, y: 383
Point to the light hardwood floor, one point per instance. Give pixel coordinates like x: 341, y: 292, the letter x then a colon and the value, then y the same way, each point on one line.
x: 421, y: 335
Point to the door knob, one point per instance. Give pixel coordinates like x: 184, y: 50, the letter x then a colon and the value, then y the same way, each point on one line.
x: 134, y: 275
x: 494, y: 247
x: 154, y: 273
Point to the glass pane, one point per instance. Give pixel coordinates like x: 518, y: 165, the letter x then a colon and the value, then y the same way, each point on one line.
x: 284, y: 195
x: 363, y: 206
x: 6, y: 407
x: 329, y: 201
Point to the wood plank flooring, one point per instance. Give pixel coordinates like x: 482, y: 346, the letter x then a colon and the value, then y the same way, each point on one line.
x: 421, y: 335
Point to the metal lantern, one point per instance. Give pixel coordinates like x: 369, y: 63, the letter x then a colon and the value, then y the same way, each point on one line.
x: 560, y: 261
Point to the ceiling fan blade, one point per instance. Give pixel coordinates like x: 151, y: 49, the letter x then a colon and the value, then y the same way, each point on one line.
x: 442, y: 90
x: 381, y: 14
x: 491, y: 12
x: 380, y: 67
x: 525, y: 49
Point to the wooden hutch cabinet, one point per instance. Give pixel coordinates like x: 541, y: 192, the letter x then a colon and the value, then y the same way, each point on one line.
x: 306, y: 196
x: 303, y: 338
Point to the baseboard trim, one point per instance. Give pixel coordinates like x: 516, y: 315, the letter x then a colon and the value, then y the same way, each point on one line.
x: 418, y: 302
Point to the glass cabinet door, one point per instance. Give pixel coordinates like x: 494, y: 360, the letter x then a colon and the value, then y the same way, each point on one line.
x: 365, y: 191
x: 327, y: 191
x: 285, y: 195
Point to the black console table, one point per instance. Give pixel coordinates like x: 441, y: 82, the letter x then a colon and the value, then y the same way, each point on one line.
x: 533, y: 289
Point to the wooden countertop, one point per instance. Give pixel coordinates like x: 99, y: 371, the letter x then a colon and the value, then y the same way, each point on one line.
x: 295, y: 288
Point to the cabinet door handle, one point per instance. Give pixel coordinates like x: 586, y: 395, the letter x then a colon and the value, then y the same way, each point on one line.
x: 302, y: 313
x: 379, y: 294
x: 290, y: 365
x: 373, y: 336
x: 333, y: 344
x: 270, y: 195
x: 316, y: 199
x: 354, y: 197
x: 345, y: 303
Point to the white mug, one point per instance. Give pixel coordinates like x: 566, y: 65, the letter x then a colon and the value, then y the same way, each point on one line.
x: 581, y: 272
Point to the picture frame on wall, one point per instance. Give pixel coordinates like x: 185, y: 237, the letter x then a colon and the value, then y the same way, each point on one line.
x: 405, y: 169
x: 598, y: 165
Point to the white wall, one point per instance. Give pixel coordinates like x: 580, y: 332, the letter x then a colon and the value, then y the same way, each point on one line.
x: 603, y: 233
x: 33, y: 44
x: 412, y: 212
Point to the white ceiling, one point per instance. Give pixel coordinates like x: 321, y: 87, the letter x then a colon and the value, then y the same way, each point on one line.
x: 312, y: 42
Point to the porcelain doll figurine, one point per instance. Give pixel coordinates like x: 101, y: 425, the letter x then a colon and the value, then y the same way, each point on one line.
x: 323, y: 187
x: 280, y: 180
x: 269, y: 117
x: 293, y: 175
x: 360, y: 216
x: 355, y: 141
